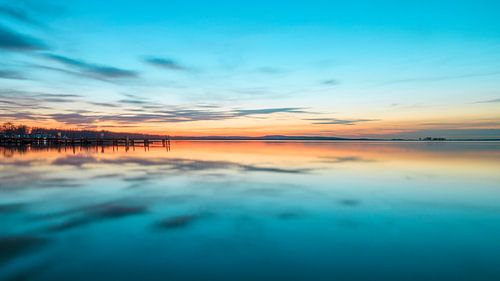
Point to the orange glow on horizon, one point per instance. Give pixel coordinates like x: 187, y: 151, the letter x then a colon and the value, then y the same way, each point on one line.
x: 253, y: 128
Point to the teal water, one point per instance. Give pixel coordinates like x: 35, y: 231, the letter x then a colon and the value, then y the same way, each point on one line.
x: 252, y: 211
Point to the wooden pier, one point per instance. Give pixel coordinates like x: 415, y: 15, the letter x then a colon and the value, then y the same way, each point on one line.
x: 23, y: 141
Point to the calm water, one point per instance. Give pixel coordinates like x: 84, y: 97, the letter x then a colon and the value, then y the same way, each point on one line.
x: 252, y: 211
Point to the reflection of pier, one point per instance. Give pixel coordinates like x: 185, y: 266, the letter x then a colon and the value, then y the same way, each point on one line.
x: 127, y: 142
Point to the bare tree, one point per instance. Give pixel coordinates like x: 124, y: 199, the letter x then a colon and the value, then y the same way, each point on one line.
x: 8, y: 127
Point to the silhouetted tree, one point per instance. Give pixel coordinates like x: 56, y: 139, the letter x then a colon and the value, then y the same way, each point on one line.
x: 10, y: 128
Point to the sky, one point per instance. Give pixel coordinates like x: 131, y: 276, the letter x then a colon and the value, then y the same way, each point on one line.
x: 361, y: 68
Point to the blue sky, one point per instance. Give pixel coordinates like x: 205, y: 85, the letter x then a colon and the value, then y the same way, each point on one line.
x: 357, y: 68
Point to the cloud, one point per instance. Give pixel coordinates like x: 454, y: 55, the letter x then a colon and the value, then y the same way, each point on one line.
x: 164, y: 63
x: 136, y: 110
x: 490, y: 101
x: 335, y: 121
x: 11, y: 74
x: 18, y: 14
x: 18, y: 101
x: 25, y: 11
x: 266, y: 111
x: 93, y: 70
x: 269, y: 70
x: 73, y: 118
x: 19, y: 115
x: 40, y: 96
x: 65, y: 71
x: 132, y: 101
x: 59, y: 95
x: 330, y: 82
x: 13, y: 41
x: 170, y: 115
x: 442, y: 78
x: 44, y: 7
x: 104, y: 104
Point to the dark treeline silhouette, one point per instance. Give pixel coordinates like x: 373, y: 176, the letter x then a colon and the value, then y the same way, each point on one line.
x: 9, y: 129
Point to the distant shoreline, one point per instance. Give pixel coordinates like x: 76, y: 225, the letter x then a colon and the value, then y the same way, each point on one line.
x: 153, y: 138
x: 16, y: 132
x: 323, y: 139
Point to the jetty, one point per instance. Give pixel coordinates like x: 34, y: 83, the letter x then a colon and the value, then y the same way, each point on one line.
x: 56, y: 141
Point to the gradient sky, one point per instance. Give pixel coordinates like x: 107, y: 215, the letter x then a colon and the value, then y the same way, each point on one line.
x: 330, y: 68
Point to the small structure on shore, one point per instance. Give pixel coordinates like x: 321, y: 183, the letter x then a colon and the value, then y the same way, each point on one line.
x: 431, y: 139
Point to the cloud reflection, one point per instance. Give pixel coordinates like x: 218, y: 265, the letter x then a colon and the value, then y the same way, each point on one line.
x: 98, y: 213
x: 15, y: 246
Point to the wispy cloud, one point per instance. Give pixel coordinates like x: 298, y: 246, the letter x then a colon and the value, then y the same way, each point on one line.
x: 335, y: 121
x: 20, y: 95
x: 168, y: 114
x: 18, y: 101
x: 11, y: 74
x: 330, y: 82
x: 13, y: 41
x: 165, y: 63
x: 264, y: 111
x: 442, y: 78
x: 19, y: 115
x: 97, y: 71
x: 104, y: 104
x: 130, y: 110
x: 73, y: 118
x: 131, y: 101
x: 18, y: 14
x: 489, y: 101
x: 25, y: 99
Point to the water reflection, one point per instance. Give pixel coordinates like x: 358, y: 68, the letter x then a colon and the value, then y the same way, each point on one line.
x: 14, y: 246
x: 96, y: 214
x: 251, y: 211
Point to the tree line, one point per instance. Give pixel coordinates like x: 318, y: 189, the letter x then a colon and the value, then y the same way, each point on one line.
x: 11, y: 129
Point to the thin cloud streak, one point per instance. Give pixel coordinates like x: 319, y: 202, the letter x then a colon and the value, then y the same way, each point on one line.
x: 13, y: 41
x: 165, y: 63
x: 93, y: 70
x: 330, y: 82
x: 442, y: 78
x: 18, y: 14
x: 175, y: 115
x: 335, y: 121
x: 11, y: 74
x: 143, y: 111
x: 490, y: 101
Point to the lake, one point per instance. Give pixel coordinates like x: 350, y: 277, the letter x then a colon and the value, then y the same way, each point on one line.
x: 214, y: 210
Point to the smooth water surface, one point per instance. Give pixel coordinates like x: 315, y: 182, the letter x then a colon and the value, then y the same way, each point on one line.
x: 252, y: 211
